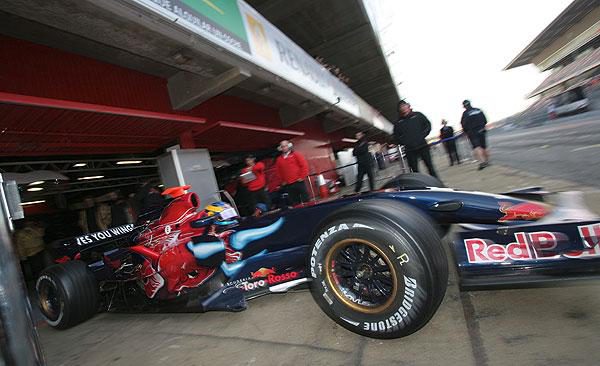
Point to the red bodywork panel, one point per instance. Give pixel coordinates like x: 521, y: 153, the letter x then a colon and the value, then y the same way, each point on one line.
x: 171, y: 266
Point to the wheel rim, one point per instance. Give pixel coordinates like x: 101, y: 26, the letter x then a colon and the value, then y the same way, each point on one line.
x: 361, y: 275
x: 49, y: 298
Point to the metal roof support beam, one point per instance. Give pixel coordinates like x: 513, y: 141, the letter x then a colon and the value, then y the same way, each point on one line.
x: 330, y: 126
x: 70, y: 162
x: 77, y: 134
x: 28, y: 100
x: 249, y: 127
x: 291, y: 115
x: 188, y: 90
x: 17, y: 147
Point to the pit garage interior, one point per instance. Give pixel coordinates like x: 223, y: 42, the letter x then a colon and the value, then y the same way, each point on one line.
x: 97, y: 98
x: 93, y: 94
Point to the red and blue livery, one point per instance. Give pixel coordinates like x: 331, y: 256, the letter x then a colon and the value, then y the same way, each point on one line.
x: 375, y: 262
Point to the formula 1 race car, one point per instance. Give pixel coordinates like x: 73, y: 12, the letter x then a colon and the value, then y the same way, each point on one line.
x: 375, y: 262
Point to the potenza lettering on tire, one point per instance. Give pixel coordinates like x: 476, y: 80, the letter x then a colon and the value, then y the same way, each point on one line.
x: 324, y: 235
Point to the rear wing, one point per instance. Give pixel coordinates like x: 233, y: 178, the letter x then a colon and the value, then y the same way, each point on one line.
x: 119, y: 236
x: 111, y: 234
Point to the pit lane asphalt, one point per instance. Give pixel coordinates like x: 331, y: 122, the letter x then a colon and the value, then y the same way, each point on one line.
x: 556, y: 326
x: 566, y: 148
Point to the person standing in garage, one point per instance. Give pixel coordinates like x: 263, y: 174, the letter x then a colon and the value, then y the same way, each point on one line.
x: 411, y: 130
x: 253, y: 178
x: 292, y: 169
x: 29, y: 241
x: 364, y: 159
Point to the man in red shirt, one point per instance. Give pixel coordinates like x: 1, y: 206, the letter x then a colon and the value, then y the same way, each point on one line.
x: 253, y: 177
x: 292, y: 169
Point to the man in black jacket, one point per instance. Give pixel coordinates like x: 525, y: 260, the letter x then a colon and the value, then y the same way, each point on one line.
x: 473, y: 122
x: 365, y: 162
x: 447, y: 134
x: 411, y: 130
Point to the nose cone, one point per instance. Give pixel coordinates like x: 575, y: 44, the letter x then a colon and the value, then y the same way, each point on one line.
x: 570, y: 206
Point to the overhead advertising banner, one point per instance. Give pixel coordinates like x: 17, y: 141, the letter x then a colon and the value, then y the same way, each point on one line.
x: 274, y: 51
x: 239, y: 28
x: 218, y: 20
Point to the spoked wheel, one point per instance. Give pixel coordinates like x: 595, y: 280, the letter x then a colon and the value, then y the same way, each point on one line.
x: 361, y: 275
x: 378, y: 268
x: 50, y: 300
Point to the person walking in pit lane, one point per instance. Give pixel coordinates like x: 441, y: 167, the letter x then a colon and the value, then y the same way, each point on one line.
x: 293, y: 170
x: 364, y: 159
x: 447, y: 133
x: 411, y: 130
x: 473, y: 122
x: 253, y: 178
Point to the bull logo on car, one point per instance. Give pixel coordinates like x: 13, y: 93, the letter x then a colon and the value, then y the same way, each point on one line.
x: 527, y: 211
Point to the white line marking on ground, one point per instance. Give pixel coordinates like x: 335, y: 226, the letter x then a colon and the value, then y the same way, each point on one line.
x: 586, y: 147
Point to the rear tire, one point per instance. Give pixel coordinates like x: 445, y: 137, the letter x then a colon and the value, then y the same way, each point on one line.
x: 413, y: 181
x: 68, y: 294
x: 392, y: 291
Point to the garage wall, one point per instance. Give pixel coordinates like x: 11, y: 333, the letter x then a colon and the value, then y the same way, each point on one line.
x: 37, y: 70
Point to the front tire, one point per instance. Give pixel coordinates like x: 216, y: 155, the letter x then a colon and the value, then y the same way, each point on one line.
x: 413, y: 181
x: 378, y: 269
x: 68, y: 294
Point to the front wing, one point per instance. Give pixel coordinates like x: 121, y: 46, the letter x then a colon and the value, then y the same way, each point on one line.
x: 528, y: 255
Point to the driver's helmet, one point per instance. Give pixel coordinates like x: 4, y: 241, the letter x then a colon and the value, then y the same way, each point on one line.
x: 224, y: 213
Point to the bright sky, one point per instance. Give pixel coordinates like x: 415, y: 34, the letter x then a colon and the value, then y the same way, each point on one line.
x: 443, y: 52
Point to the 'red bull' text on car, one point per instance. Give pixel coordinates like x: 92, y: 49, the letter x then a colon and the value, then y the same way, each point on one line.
x: 375, y: 262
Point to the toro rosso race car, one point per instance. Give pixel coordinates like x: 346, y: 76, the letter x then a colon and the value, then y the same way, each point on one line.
x: 375, y: 262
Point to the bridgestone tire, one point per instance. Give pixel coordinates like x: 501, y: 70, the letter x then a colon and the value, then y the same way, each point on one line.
x: 408, y: 243
x: 413, y: 181
x: 74, y: 291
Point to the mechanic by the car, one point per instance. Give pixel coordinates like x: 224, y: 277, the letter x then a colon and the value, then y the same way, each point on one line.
x: 411, y: 130
x: 253, y: 177
x: 29, y: 241
x: 447, y: 134
x: 292, y: 169
x: 364, y: 159
x: 148, y: 198
x: 473, y: 122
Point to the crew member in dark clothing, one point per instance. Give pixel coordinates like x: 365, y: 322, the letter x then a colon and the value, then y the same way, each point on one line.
x: 149, y: 201
x: 411, y: 130
x: 447, y: 132
x: 473, y: 122
x: 365, y: 162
